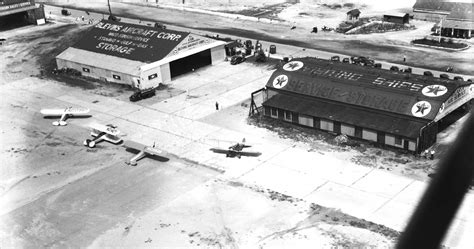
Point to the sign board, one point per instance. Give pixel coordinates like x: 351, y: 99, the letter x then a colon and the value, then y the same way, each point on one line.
x: 130, y: 41
x: 14, y: 4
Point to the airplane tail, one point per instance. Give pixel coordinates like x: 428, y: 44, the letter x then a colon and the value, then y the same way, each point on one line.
x: 243, y: 140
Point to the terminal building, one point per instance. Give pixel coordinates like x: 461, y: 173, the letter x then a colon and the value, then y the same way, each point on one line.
x: 456, y: 17
x: 396, y: 109
x: 138, y: 55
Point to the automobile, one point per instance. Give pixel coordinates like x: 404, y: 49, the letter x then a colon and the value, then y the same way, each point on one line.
x: 362, y: 60
x: 458, y: 78
x: 335, y: 58
x: 469, y: 80
x: 2, y: 40
x: 65, y: 12
x: 237, y: 59
x: 444, y: 76
x: 378, y: 65
x: 159, y: 25
x: 142, y: 94
x: 428, y: 73
x: 407, y: 70
x: 394, y: 68
x: 114, y: 18
x: 346, y: 60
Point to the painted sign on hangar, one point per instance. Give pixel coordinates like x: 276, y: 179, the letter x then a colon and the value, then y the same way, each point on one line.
x: 130, y: 41
x: 360, y: 89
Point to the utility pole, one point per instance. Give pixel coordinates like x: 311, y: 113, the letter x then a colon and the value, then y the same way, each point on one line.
x: 110, y: 10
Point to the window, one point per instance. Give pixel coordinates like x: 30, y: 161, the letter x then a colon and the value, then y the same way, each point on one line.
x: 116, y: 77
x: 274, y: 112
x: 288, y: 116
x: 152, y: 76
x: 85, y: 69
x: 398, y: 140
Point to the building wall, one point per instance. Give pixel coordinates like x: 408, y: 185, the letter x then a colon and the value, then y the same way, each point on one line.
x: 165, y: 73
x: 428, y: 16
x: 151, y: 78
x: 347, y: 129
x: 97, y: 73
x: 217, y: 54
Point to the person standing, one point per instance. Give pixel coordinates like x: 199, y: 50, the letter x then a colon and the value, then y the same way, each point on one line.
x: 404, y: 58
x: 217, y: 106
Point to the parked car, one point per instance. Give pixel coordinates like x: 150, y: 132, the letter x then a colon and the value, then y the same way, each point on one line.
x: 458, y: 78
x: 444, y: 76
x: 346, y: 60
x: 378, y: 65
x: 428, y: 73
x: 159, y: 25
x: 335, y: 58
x: 362, y: 60
x: 142, y: 94
x: 114, y: 18
x: 394, y: 68
x: 469, y: 80
x: 407, y: 70
x: 237, y: 59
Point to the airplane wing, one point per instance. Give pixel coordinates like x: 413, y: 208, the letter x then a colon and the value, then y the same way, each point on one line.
x: 217, y: 150
x: 134, y: 145
x: 249, y: 153
x: 153, y: 151
x: 76, y: 111
x: 98, y: 128
x: 52, y: 112
x: 112, y: 139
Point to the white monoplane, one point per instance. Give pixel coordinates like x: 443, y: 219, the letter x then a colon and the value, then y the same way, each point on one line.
x: 143, y: 151
x: 101, y: 132
x: 65, y: 113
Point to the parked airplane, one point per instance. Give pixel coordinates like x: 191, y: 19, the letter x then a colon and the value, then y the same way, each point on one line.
x: 236, y: 150
x: 101, y: 132
x: 143, y: 151
x: 65, y: 113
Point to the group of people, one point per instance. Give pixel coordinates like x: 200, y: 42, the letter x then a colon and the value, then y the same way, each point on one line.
x: 428, y: 154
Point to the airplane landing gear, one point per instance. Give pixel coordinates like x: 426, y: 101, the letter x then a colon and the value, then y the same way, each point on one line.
x: 89, y: 143
x: 59, y: 123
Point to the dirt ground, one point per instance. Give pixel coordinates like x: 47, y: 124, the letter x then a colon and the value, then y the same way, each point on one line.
x: 57, y: 193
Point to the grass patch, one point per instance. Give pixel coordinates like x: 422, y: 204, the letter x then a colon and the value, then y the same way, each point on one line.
x: 443, y: 43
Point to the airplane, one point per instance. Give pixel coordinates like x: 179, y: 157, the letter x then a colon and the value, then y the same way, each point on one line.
x: 143, y: 151
x: 101, y: 132
x: 236, y: 150
x: 65, y: 113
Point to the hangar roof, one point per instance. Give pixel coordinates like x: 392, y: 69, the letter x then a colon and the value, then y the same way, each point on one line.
x: 131, y: 41
x: 398, y: 93
x: 376, y: 120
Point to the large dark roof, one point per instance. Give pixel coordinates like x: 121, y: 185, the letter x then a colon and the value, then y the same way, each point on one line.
x: 402, y: 94
x: 361, y: 117
x: 457, y: 10
x: 131, y: 41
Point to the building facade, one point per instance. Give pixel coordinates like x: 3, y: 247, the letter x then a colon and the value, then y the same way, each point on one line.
x: 137, y: 55
x: 33, y: 13
x: 390, y: 108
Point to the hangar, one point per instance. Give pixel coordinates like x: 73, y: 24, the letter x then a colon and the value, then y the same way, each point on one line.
x: 397, y: 109
x: 139, y: 55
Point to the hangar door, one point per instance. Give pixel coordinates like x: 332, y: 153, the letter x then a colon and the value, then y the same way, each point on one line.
x: 187, y: 64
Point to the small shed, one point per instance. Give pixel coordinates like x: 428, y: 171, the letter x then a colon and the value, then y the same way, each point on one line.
x: 400, y: 18
x: 353, y: 15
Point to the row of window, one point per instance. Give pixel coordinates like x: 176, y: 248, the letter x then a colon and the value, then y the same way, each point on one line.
x: 117, y: 77
x: 349, y: 130
x: 87, y: 70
